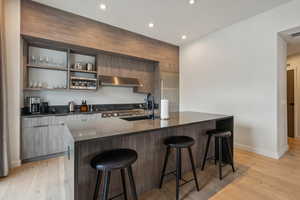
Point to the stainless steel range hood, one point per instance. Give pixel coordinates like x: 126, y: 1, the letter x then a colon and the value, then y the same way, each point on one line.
x: 118, y: 81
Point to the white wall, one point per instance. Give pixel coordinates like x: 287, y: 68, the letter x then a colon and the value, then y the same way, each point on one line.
x: 294, y: 61
x: 12, y: 34
x: 236, y: 71
x: 282, y: 137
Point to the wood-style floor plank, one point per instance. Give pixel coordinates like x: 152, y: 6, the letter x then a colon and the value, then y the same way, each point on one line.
x: 257, y: 177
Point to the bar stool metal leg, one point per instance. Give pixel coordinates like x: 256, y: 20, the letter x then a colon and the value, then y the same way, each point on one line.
x: 164, y: 167
x: 98, y: 182
x: 178, y: 155
x: 106, y: 185
x: 193, y: 167
x: 124, y: 183
x: 180, y: 164
x: 132, y: 184
x: 216, y: 157
x: 230, y: 153
x: 220, y: 157
x: 206, y: 151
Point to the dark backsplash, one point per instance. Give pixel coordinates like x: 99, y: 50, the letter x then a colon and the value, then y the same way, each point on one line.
x: 63, y: 109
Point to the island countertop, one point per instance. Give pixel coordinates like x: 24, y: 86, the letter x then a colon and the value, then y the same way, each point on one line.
x: 84, y: 139
x: 108, y: 127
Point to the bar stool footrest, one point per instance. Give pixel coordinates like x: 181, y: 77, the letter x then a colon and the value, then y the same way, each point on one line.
x: 186, y: 181
x: 174, y: 173
x: 116, y: 196
x: 170, y: 173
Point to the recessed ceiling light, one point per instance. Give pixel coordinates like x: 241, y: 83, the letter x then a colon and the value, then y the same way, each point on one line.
x: 102, y: 6
x: 183, y: 37
x: 191, y: 2
x: 150, y: 25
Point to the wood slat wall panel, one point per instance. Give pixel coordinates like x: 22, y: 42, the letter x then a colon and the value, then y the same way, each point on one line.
x: 49, y: 23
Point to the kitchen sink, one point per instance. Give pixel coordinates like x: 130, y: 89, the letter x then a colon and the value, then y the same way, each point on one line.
x: 136, y: 118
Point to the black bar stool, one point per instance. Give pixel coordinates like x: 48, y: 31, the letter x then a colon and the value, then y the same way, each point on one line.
x: 117, y: 159
x: 221, y: 137
x: 179, y: 142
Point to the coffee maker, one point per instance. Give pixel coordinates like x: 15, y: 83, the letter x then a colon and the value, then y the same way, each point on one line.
x: 33, y: 104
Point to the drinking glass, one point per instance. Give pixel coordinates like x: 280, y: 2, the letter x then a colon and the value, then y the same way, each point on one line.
x: 33, y: 60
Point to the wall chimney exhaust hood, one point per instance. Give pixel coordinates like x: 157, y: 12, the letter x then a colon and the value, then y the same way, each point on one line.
x: 118, y: 81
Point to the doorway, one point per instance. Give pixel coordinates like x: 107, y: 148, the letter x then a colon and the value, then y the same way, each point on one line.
x: 291, y: 103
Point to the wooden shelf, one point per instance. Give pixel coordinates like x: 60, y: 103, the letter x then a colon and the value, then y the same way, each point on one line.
x: 47, y: 67
x: 83, y: 78
x: 45, y: 89
x: 83, y: 71
x: 82, y: 88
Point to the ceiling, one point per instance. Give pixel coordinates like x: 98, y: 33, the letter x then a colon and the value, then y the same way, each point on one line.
x: 171, y: 18
x: 293, y: 43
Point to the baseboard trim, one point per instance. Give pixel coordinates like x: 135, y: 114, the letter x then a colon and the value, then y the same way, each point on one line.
x: 283, y: 149
x: 42, y: 157
x: 263, y: 152
x: 15, y: 163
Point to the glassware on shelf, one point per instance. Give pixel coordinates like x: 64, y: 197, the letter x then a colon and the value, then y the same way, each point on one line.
x: 33, y: 60
x: 31, y: 84
x: 47, y: 60
x: 35, y: 84
x: 39, y: 85
x: 41, y: 60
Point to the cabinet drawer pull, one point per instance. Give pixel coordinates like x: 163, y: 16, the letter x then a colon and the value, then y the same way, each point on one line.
x: 41, y: 126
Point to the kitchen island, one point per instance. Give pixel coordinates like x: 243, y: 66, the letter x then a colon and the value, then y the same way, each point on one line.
x: 86, y: 138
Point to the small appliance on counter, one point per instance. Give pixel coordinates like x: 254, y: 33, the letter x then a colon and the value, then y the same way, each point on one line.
x: 84, y: 107
x: 44, y: 107
x: 33, y: 104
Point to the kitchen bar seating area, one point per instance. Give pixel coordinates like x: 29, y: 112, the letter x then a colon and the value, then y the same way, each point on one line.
x: 149, y: 100
x: 183, y: 130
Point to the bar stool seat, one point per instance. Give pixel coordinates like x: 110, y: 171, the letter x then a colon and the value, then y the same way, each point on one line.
x: 114, y: 159
x: 179, y: 141
x: 218, y: 133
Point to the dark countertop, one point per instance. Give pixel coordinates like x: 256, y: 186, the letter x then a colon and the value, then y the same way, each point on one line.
x: 107, y: 127
x: 61, y: 114
x: 63, y: 110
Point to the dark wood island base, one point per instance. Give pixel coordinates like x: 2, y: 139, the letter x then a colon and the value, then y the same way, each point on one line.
x: 85, y: 139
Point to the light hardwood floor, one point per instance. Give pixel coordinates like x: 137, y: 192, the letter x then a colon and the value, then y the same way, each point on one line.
x: 257, y: 177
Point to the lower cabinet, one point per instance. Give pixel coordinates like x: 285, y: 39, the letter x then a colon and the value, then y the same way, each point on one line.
x: 44, y: 136
x: 34, y: 142
x: 55, y: 139
x: 42, y: 140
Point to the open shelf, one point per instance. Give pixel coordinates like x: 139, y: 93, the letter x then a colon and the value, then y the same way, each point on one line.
x: 45, y: 89
x: 83, y: 71
x: 83, y: 78
x: 47, y: 67
x: 81, y: 88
